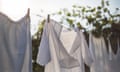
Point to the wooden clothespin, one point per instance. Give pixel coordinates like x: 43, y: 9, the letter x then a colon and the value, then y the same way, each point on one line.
x: 48, y: 18
x: 28, y: 12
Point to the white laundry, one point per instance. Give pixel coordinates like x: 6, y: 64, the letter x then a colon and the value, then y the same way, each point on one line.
x: 113, y: 63
x: 99, y: 54
x: 62, y: 57
x: 81, y: 52
x: 44, y: 55
x: 15, y: 45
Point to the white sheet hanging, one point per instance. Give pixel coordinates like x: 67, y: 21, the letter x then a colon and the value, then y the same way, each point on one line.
x: 113, y: 63
x: 15, y: 45
x: 99, y: 54
x: 81, y: 52
x: 58, y: 57
x: 44, y: 55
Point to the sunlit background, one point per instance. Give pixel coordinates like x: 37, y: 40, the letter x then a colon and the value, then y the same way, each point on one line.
x: 16, y: 9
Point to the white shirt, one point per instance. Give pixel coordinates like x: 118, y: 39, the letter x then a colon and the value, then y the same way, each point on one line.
x: 57, y: 55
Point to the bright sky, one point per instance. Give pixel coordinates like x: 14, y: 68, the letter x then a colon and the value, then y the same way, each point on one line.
x: 16, y: 9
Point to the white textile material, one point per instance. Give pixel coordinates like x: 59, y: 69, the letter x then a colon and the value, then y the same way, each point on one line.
x: 99, y: 54
x: 113, y: 63
x: 81, y: 52
x: 15, y: 45
x: 56, y: 56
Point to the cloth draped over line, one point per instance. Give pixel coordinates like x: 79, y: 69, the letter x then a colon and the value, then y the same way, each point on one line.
x: 99, y: 54
x: 103, y: 60
x: 114, y: 59
x: 56, y: 57
x: 15, y: 45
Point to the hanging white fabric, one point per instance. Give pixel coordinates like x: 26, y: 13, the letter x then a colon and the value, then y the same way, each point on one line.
x: 44, y: 55
x: 15, y: 45
x: 59, y: 59
x: 113, y: 62
x: 111, y: 54
x: 99, y: 53
x: 81, y: 52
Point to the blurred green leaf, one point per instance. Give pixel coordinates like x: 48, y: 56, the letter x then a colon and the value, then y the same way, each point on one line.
x: 83, y: 9
x: 74, y: 6
x: 79, y: 7
x: 107, y: 3
x: 98, y: 13
x: 102, y: 3
x: 79, y: 25
x: 59, y: 12
x: 105, y: 9
x: 92, y: 10
x: 70, y: 21
x: 117, y: 9
x: 118, y: 15
x: 90, y: 19
x: 99, y: 7
x: 68, y: 14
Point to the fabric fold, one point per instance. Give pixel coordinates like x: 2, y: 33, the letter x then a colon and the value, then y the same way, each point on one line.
x: 58, y: 58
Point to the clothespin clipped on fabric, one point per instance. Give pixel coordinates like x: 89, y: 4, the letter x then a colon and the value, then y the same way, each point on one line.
x: 48, y: 18
x: 28, y: 12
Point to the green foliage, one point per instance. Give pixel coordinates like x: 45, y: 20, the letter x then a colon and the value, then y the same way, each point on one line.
x: 102, y: 3
x: 107, y: 3
x: 70, y: 21
x: 59, y: 12
x: 68, y: 14
x: 36, y: 38
x: 98, y: 16
x: 99, y: 7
